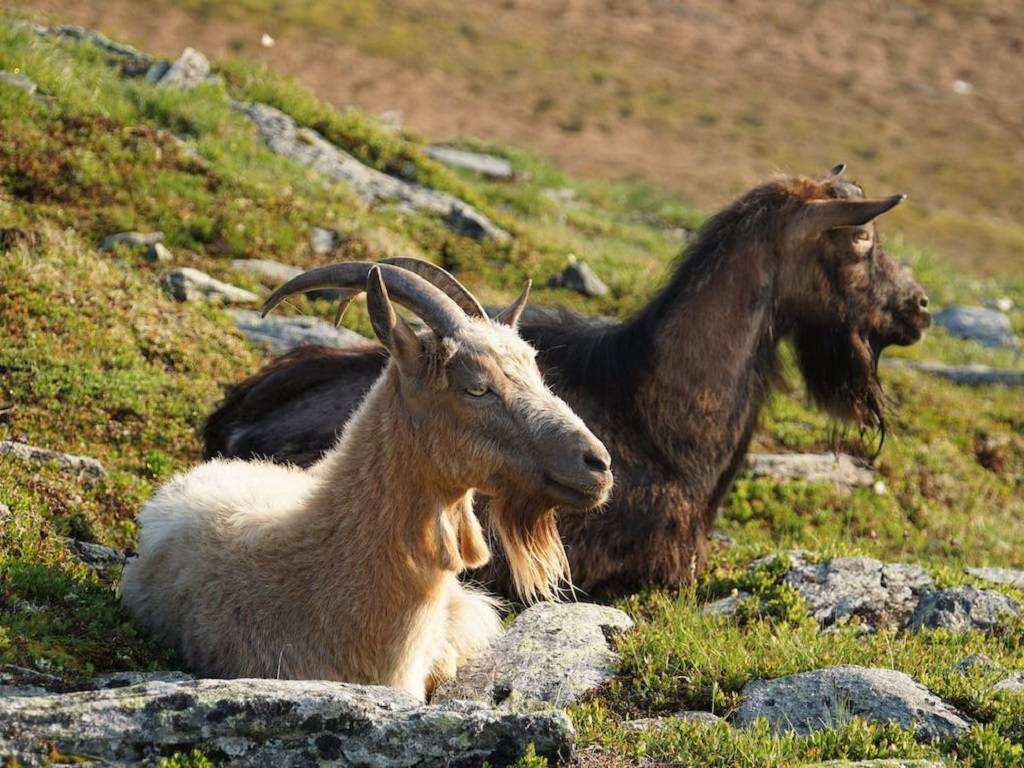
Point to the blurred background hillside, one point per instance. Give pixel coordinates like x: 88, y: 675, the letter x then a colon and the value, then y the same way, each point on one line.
x: 701, y: 98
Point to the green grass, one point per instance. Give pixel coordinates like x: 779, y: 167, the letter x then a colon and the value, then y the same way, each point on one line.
x: 95, y: 360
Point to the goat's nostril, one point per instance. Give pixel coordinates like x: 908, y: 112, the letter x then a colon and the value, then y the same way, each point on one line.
x: 924, y: 302
x: 595, y: 462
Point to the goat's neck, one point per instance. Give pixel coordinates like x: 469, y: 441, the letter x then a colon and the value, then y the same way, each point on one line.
x: 712, y: 336
x: 374, y: 521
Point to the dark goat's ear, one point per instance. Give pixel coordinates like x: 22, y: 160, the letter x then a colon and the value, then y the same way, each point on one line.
x: 822, y: 215
x: 510, y: 315
x: 837, y: 170
x: 392, y: 330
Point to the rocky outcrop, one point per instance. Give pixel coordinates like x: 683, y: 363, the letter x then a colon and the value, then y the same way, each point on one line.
x: 579, y: 277
x: 273, y: 723
x: 988, y: 327
x: 963, y: 608
x: 488, y: 166
x: 840, y: 469
x: 131, y: 239
x: 968, y: 375
x: 84, y: 468
x: 551, y: 656
x: 285, y: 333
x: 135, y: 60
x: 1008, y: 576
x: 187, y: 284
x: 304, y: 145
x: 823, y: 698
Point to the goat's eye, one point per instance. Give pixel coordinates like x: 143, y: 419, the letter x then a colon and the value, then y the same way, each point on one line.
x: 477, y: 390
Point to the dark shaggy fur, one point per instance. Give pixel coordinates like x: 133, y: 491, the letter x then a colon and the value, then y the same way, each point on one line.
x: 675, y: 391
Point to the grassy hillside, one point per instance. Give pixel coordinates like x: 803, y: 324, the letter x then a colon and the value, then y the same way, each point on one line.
x: 96, y: 360
x: 703, y: 98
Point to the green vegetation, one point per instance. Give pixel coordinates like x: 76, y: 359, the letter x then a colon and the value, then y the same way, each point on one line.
x: 95, y: 360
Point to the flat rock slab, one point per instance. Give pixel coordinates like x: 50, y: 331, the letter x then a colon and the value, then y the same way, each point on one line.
x: 988, y: 327
x: 1008, y: 576
x: 287, y: 333
x: 881, y: 595
x: 964, y: 608
x: 969, y: 375
x: 823, y: 698
x: 274, y: 723
x: 842, y: 470
x: 187, y: 284
x: 551, y: 656
x: 488, y: 166
x: 84, y: 468
x: 304, y: 145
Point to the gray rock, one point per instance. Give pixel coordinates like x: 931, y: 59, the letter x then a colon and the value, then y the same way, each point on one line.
x: 964, y: 608
x: 974, y: 375
x: 841, y: 470
x: 726, y: 606
x: 324, y: 241
x: 988, y: 327
x: 10, y: 691
x: 286, y: 333
x: 1008, y: 576
x: 124, y: 679
x: 267, y: 723
x: 95, y: 556
x: 1012, y: 684
x: 976, y: 662
x: 660, y: 723
x: 552, y: 655
x: 881, y: 595
x: 84, y: 468
x: 1003, y: 304
x: 488, y: 166
x: 131, y: 239
x: 824, y: 698
x: 189, y: 70
x: 580, y: 278
x: 19, y: 81
x: 135, y: 58
x: 157, y: 253
x: 308, y: 147
x: 187, y: 284
x: 265, y: 269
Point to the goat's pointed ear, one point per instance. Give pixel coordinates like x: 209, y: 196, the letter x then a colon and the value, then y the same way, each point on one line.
x: 822, y: 215
x: 837, y: 170
x: 510, y: 315
x: 392, y: 330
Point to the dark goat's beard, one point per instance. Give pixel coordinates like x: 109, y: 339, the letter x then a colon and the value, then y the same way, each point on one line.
x: 840, y: 367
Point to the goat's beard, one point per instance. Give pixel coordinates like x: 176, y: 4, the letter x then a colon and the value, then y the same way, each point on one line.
x: 840, y: 368
x: 533, y: 549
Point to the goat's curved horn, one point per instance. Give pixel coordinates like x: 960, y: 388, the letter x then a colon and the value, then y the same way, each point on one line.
x: 821, y: 215
x: 443, y: 279
x: 442, y: 315
x: 510, y: 315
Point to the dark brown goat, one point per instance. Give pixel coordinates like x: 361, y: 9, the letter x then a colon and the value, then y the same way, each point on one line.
x: 674, y: 392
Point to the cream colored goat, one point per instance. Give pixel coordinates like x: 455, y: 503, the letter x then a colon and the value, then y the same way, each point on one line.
x: 348, y: 571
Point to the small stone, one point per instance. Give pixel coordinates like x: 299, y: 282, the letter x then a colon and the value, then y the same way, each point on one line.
x: 323, y: 240
x: 96, y: 556
x: 131, y: 239
x: 471, y: 223
x: 187, y: 284
x: 880, y: 488
x: 726, y: 606
x: 488, y: 166
x: 266, y: 269
x: 661, y: 723
x: 283, y: 334
x: 84, y: 468
x: 5, y: 513
x: 840, y: 469
x: 824, y: 698
x: 579, y: 277
x: 553, y: 654
x: 976, y: 662
x: 1008, y: 576
x: 19, y: 81
x: 157, y: 253
x: 1003, y: 304
x: 1012, y: 684
x: 266, y: 40
x: 963, y: 608
x: 988, y: 327
x: 189, y: 70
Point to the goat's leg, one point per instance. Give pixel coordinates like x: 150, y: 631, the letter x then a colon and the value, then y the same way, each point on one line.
x: 473, y: 622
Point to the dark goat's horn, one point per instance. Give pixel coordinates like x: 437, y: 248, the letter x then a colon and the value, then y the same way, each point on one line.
x: 510, y: 315
x: 442, y: 315
x: 443, y: 279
